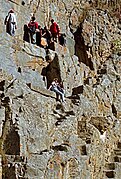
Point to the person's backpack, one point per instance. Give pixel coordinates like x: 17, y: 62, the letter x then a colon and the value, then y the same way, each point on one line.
x: 43, y: 42
x: 32, y: 28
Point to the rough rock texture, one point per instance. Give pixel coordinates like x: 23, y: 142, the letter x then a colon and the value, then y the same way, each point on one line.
x: 41, y: 138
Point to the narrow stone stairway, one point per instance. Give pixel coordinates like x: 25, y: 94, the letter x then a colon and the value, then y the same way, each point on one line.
x: 110, y: 170
x: 113, y: 169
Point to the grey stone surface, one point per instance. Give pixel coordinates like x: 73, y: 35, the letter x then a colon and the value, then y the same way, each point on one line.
x: 42, y: 138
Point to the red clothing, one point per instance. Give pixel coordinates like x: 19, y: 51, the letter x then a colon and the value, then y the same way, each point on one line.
x: 31, y: 23
x: 54, y: 28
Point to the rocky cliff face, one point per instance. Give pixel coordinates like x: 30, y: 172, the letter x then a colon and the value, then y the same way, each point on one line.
x: 41, y: 138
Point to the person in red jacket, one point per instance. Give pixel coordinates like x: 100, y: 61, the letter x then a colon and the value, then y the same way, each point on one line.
x: 54, y: 29
x: 33, y: 25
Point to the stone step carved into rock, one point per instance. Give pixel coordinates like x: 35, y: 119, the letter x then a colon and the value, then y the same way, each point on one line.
x: 110, y: 166
x: 119, y: 145
x: 117, y: 159
x: 83, y: 150
x: 110, y: 173
x: 117, y: 152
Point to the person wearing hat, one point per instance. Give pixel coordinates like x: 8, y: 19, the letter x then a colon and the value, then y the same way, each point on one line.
x: 11, y: 23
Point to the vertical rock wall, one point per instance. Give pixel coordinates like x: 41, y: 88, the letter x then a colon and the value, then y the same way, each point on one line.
x: 39, y: 136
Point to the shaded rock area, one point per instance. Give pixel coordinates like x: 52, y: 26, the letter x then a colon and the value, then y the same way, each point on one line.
x: 40, y: 137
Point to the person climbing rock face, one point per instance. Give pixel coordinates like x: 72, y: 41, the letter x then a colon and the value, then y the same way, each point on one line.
x: 11, y: 23
x: 54, y: 29
x: 33, y: 25
x: 55, y: 86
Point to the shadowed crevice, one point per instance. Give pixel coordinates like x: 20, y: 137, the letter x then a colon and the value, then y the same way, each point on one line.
x: 52, y: 71
x: 81, y: 48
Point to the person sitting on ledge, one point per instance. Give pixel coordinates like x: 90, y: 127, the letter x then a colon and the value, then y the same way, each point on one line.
x: 55, y: 86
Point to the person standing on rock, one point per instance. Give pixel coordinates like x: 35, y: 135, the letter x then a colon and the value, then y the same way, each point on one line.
x: 54, y: 29
x: 47, y: 35
x: 62, y: 40
x: 26, y: 33
x: 39, y: 33
x: 55, y: 86
x: 11, y: 23
x: 33, y: 25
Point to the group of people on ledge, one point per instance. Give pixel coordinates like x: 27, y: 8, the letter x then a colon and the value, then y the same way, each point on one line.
x: 50, y: 35
x: 34, y: 33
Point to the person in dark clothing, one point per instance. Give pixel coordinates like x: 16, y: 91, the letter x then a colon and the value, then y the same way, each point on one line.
x: 62, y: 40
x: 39, y: 33
x: 26, y: 34
x: 47, y: 35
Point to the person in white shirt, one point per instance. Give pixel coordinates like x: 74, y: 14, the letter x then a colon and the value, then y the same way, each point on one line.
x: 11, y: 23
x: 55, y: 86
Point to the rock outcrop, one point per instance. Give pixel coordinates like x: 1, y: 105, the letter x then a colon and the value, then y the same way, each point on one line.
x: 40, y: 137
